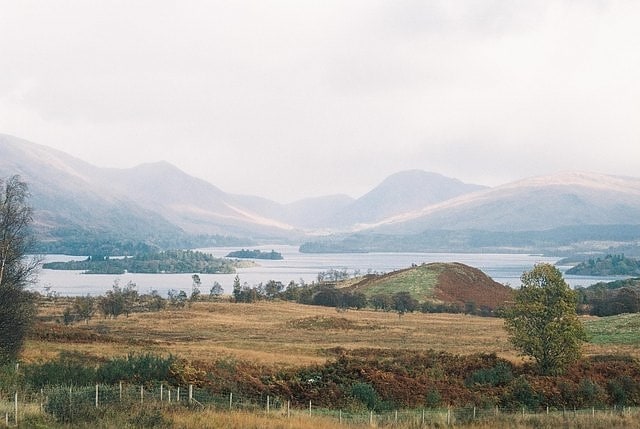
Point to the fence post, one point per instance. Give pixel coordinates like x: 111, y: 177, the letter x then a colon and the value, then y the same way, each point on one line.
x: 267, y: 404
x: 288, y: 409
x: 423, y: 417
x: 448, y: 415
x: 169, y: 395
x: 161, y: 392
x: 190, y: 393
x: 340, y: 417
x: 396, y: 417
x: 230, y: 400
x: 178, y: 395
x: 142, y: 394
x: 309, y: 408
x: 120, y: 391
x: 370, y: 418
x: 16, y: 402
x: 474, y: 412
x: 97, y: 396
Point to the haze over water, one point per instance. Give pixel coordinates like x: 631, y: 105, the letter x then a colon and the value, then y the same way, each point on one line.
x: 296, y: 266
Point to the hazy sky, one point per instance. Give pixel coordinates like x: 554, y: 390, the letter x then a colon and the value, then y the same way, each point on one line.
x: 292, y: 99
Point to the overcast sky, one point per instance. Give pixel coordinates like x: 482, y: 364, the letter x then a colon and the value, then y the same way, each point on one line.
x: 293, y: 99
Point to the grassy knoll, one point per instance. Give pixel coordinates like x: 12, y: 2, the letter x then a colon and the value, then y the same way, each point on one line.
x: 419, y: 281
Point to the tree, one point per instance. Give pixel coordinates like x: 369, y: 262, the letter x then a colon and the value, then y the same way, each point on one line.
x: 403, y: 303
x: 195, y: 287
x: 542, y: 322
x: 216, y: 290
x: 237, y: 289
x: 84, y: 307
x: 17, y: 305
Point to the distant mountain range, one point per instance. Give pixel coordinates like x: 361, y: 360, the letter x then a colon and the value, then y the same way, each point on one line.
x: 80, y: 206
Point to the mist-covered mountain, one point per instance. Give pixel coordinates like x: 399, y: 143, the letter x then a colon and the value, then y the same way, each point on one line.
x: 535, y: 204
x: 400, y: 193
x: 161, y: 205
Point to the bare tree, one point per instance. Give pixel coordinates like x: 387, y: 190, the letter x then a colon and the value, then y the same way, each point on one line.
x: 17, y: 305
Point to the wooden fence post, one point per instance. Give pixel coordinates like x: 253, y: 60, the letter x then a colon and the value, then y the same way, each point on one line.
x: 268, y: 404
x: 97, y: 396
x: 190, y: 393
x: 230, y: 400
x: 120, y: 390
x: 16, y: 409
x: 161, y: 392
x: 142, y: 394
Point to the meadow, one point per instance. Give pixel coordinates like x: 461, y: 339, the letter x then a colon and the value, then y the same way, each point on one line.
x: 283, y: 338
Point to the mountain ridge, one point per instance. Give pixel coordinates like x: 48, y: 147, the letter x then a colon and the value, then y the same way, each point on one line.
x: 157, y: 201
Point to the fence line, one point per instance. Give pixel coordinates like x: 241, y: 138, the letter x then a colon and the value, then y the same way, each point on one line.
x: 68, y: 403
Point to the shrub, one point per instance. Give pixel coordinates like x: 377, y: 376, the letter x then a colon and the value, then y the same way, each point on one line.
x: 522, y: 394
x: 136, y: 368
x: 67, y: 369
x: 365, y: 393
x: 498, y: 375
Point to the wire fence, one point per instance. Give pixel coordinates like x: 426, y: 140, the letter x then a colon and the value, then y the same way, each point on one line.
x: 81, y: 403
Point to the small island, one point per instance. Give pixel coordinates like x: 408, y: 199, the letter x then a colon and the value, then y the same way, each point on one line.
x: 610, y: 265
x: 165, y: 262
x: 255, y: 254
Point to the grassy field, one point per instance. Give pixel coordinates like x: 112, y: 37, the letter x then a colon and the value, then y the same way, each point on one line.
x: 283, y: 333
x: 288, y: 335
x: 623, y: 329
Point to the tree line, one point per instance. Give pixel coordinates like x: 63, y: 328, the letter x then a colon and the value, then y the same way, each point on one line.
x: 169, y: 261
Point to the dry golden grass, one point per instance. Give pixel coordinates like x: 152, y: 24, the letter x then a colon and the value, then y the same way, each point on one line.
x: 279, y: 333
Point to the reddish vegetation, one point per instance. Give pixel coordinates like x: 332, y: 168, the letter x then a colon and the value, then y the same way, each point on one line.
x: 459, y: 283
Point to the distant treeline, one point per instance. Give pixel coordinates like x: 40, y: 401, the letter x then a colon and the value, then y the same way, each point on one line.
x: 328, y: 295
x: 470, y: 240
x: 255, y: 254
x: 610, y: 265
x: 170, y: 261
x: 78, y: 241
x: 608, y: 299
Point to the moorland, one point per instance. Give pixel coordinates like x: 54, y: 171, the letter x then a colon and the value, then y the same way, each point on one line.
x: 356, y: 361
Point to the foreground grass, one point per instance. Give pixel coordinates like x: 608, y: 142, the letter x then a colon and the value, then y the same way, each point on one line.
x: 180, y: 417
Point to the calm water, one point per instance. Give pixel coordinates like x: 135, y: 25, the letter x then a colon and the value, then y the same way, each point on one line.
x: 503, y: 268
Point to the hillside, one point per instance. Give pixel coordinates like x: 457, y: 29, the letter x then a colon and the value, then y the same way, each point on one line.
x: 80, y: 208
x: 449, y: 283
x: 534, y: 204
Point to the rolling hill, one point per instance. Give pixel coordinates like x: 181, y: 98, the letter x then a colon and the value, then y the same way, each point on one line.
x: 449, y: 283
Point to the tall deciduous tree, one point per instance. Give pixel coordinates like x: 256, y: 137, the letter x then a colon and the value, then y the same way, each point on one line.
x: 17, y: 305
x: 542, y: 323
